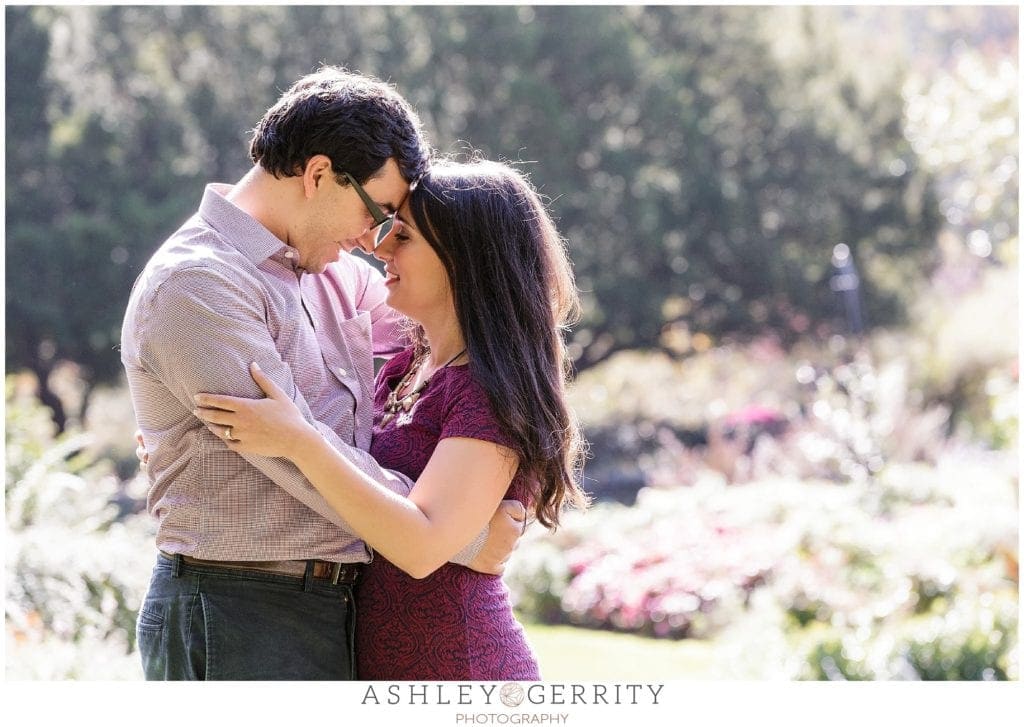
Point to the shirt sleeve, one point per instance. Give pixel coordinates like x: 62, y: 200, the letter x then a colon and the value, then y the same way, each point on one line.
x: 201, y: 332
x: 388, y: 325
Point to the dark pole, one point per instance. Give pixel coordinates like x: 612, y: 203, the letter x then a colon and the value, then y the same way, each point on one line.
x: 846, y: 284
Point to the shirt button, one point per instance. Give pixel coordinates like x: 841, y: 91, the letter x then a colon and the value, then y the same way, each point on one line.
x: 289, y: 254
x: 342, y: 372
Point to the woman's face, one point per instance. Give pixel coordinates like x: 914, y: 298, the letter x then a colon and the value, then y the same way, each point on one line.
x: 417, y: 283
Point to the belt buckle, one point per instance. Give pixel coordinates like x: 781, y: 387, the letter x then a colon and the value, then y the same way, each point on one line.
x: 335, y: 573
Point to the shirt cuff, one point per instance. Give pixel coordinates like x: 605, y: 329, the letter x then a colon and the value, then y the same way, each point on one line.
x: 471, y: 551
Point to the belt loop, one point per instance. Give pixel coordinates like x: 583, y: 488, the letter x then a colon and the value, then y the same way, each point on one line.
x: 178, y: 560
x: 307, y: 579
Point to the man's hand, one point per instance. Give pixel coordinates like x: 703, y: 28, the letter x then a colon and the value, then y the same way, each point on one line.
x: 506, y: 527
x: 140, y: 451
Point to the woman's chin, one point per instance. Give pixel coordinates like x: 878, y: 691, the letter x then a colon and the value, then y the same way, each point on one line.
x: 411, y: 311
x: 394, y: 301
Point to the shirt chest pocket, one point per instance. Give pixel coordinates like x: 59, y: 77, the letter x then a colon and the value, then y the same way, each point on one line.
x: 348, y: 356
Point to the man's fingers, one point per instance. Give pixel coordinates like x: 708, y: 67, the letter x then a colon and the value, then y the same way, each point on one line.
x: 140, y: 449
x: 514, y: 509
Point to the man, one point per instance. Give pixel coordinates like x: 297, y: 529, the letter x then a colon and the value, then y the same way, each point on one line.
x: 254, y: 579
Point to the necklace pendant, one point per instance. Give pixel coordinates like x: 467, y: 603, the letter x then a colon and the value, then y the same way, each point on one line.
x: 410, y: 401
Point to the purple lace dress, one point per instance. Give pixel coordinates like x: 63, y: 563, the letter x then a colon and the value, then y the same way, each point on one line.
x: 456, y: 624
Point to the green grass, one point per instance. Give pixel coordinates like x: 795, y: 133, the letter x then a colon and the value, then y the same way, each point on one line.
x: 570, y: 653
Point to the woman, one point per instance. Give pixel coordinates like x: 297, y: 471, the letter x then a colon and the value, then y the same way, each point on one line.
x: 474, y: 411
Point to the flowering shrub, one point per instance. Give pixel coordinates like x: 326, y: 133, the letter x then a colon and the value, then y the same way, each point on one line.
x: 664, y: 567
x: 908, y: 575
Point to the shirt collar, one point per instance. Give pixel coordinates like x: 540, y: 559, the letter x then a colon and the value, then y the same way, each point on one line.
x: 240, y: 229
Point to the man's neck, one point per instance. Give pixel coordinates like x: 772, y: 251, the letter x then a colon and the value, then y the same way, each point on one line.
x: 259, y: 194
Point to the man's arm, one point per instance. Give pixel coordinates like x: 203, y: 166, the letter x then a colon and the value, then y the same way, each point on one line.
x: 202, y: 331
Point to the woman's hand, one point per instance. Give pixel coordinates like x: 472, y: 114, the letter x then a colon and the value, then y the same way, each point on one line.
x: 271, y: 427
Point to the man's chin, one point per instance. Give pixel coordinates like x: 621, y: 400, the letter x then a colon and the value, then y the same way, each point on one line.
x: 317, y: 267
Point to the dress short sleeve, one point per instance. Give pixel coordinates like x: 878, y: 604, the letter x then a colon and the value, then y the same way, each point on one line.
x: 467, y: 412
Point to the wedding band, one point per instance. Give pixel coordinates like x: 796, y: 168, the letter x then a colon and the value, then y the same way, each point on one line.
x: 227, y: 434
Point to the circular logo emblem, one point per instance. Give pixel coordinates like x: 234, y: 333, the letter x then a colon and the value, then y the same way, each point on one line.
x: 512, y: 694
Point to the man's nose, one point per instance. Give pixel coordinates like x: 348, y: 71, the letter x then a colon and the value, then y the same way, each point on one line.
x: 366, y: 240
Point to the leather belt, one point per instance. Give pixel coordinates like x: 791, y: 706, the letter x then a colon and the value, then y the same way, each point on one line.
x: 322, y: 569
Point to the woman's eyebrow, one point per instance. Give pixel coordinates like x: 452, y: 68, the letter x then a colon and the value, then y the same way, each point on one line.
x: 405, y: 222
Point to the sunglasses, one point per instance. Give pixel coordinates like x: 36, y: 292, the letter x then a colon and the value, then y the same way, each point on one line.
x: 383, y: 223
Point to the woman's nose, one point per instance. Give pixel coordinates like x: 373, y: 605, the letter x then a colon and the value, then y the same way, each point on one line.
x: 383, y: 251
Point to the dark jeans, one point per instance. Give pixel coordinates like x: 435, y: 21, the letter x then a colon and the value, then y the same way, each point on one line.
x: 209, y: 623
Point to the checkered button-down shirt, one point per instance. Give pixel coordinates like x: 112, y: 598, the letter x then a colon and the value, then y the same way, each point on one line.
x: 220, y: 293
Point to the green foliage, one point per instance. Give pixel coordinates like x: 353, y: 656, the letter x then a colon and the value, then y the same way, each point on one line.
x: 700, y: 174
x: 76, y: 568
x: 975, y: 640
x: 963, y: 118
x: 972, y: 644
x: 544, y: 574
x: 971, y: 368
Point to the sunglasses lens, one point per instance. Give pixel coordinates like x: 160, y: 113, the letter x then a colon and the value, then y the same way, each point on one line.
x: 384, y: 230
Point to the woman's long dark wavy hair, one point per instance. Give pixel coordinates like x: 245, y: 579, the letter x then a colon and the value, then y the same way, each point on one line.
x: 514, y: 295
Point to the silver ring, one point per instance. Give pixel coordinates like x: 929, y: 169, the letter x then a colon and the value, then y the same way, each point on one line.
x: 227, y: 434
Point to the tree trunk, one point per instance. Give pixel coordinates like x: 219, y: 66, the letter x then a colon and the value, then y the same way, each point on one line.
x: 49, y: 398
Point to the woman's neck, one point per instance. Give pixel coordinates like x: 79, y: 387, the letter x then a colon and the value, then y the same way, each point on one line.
x: 445, y: 342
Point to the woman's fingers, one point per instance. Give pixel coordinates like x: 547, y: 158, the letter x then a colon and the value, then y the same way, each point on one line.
x: 215, y: 416
x: 228, y: 434
x: 272, y: 390
x: 219, y: 401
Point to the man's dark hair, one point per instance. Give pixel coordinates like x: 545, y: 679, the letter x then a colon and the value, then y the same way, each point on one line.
x: 357, y: 121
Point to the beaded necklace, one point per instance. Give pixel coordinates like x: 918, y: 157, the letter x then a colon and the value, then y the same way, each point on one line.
x: 394, y: 403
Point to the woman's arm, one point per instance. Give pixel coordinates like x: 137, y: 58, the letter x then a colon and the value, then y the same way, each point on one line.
x: 440, y: 516
x: 418, y: 533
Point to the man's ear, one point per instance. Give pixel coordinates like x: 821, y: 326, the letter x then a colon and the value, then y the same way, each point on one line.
x: 317, y: 169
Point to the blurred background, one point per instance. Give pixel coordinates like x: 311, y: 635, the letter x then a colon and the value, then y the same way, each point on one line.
x: 796, y: 235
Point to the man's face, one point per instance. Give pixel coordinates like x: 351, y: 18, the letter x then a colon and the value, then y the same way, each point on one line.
x: 335, y: 217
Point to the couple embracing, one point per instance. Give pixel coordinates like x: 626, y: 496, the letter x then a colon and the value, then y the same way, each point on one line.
x: 315, y: 521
